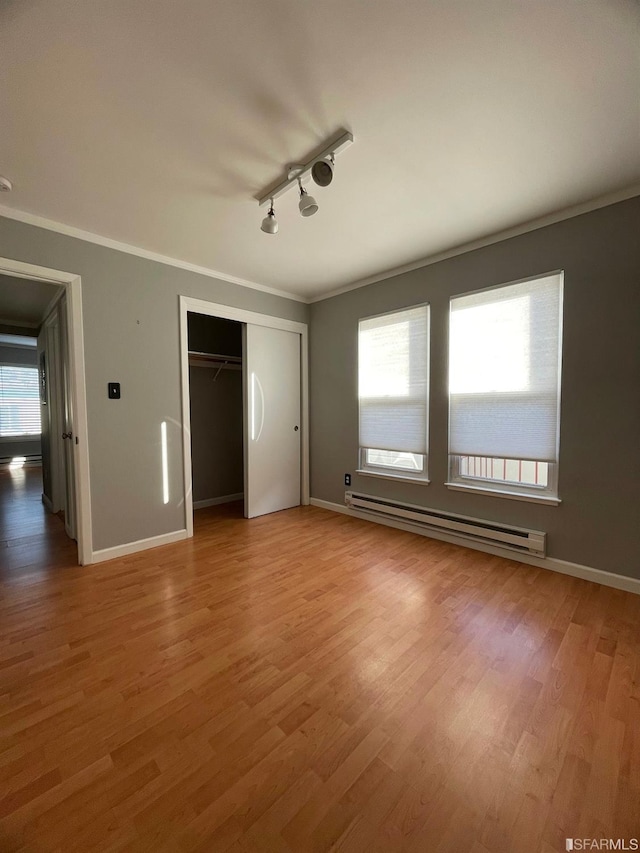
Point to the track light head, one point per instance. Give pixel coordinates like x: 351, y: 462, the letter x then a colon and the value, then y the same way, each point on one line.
x: 322, y: 171
x: 270, y: 223
x: 307, y: 204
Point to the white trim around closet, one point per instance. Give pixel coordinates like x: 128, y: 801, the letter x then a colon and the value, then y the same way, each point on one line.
x: 226, y: 312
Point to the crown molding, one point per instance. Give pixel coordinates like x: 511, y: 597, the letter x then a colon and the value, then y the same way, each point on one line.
x: 515, y: 231
x: 107, y: 242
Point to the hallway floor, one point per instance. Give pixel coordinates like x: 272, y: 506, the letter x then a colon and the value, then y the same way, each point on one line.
x: 31, y: 538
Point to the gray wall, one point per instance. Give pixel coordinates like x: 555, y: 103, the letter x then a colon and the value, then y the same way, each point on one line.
x: 131, y: 335
x: 216, y: 432
x: 597, y: 523
x: 19, y: 355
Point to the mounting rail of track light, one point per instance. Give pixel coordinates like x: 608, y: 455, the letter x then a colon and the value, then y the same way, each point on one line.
x: 320, y: 168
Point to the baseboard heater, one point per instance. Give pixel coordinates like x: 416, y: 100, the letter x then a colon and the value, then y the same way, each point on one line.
x: 476, y: 529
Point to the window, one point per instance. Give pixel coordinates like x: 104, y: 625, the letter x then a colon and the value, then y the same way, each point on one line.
x: 392, y: 391
x: 504, y: 387
x: 19, y: 401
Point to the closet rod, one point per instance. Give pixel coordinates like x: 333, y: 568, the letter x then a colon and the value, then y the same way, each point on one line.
x: 208, y: 356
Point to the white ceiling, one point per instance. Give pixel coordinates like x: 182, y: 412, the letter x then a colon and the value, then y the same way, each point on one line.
x: 156, y: 123
x: 24, y: 302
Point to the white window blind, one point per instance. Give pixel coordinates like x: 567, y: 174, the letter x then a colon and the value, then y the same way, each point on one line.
x: 393, y: 380
x: 504, y: 371
x: 19, y: 401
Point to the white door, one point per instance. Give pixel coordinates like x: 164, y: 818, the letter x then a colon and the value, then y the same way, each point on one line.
x: 271, y: 362
x: 55, y: 413
x: 68, y: 433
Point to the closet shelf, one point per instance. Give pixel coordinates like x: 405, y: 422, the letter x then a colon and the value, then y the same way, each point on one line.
x: 206, y: 359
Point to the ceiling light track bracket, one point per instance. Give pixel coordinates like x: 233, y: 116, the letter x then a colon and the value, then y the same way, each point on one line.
x: 296, y: 172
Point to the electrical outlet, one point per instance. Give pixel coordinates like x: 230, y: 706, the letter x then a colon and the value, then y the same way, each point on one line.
x: 347, y: 479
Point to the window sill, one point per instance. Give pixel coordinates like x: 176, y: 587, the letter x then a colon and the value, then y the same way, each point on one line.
x: 27, y: 437
x: 499, y: 493
x: 401, y: 478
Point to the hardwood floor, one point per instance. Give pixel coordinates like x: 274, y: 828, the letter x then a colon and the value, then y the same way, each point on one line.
x: 30, y: 537
x: 305, y: 682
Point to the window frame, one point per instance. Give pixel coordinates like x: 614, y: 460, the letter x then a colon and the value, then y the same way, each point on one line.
x: 391, y: 472
x: 503, y: 488
x: 24, y: 436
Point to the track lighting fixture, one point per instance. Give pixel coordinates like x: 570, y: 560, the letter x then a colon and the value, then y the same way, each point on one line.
x: 320, y: 167
x: 307, y: 204
x: 270, y: 223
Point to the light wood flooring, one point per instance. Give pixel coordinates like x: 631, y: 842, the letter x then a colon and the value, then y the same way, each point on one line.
x: 306, y: 682
x: 30, y: 537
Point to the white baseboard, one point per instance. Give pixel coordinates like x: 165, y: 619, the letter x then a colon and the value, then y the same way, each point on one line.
x: 586, y: 573
x: 225, y: 499
x: 139, y: 545
x: 47, y: 502
x: 30, y: 461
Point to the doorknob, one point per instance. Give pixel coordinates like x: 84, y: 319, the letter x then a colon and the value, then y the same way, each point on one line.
x: 295, y: 429
x: 67, y: 435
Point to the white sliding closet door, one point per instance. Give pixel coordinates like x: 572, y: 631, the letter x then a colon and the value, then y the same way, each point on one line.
x: 272, y: 423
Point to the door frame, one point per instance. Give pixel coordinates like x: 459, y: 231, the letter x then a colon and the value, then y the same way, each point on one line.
x: 226, y: 312
x: 72, y: 284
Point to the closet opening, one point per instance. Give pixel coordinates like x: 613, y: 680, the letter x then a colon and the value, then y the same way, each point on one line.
x: 216, y: 409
